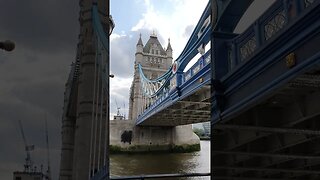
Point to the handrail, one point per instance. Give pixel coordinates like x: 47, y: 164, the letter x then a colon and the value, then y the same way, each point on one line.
x: 160, y: 176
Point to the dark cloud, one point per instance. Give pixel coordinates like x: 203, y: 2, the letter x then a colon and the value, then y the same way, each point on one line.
x: 32, y: 77
x: 41, y: 25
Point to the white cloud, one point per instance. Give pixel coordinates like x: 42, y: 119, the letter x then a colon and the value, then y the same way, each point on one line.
x: 119, y: 97
x: 185, y: 13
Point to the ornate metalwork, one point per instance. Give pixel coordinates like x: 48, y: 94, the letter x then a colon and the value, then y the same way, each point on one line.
x: 187, y: 76
x: 307, y: 3
x: 248, y: 48
x: 274, y: 25
x: 208, y: 59
x: 173, y: 82
x: 290, y: 60
x: 196, y: 69
x: 306, y: 80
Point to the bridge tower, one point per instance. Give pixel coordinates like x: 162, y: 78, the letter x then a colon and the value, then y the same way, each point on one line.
x: 155, y: 61
x: 80, y: 154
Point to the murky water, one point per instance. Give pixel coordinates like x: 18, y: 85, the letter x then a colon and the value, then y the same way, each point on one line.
x: 162, y: 163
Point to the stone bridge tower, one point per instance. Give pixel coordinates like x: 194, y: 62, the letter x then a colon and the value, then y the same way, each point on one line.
x: 155, y: 61
x: 125, y: 135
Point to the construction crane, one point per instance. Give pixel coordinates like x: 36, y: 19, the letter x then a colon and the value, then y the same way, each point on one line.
x: 118, y: 108
x: 48, y: 176
x: 28, y: 148
x: 124, y: 110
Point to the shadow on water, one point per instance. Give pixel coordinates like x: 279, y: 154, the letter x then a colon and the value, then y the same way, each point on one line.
x: 162, y: 163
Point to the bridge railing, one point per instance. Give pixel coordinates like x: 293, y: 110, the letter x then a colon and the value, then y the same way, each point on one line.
x: 161, y: 176
x: 262, y: 47
x: 264, y: 30
x: 200, y: 64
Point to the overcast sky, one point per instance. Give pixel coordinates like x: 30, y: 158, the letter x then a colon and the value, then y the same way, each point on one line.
x: 32, y: 77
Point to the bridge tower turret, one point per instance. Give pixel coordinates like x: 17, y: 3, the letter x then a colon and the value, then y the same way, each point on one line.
x: 169, y: 52
x: 139, y: 49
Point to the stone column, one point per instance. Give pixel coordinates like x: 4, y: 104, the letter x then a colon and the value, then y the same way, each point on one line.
x: 85, y: 87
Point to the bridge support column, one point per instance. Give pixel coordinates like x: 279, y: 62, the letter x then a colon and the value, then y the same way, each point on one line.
x: 126, y: 137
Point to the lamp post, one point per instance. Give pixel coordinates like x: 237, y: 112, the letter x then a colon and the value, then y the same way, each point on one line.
x: 7, y: 45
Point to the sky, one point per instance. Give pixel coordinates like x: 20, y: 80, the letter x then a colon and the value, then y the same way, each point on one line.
x: 33, y: 76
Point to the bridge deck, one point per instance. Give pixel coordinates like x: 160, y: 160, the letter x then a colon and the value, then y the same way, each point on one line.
x: 278, y: 138
x: 194, y: 108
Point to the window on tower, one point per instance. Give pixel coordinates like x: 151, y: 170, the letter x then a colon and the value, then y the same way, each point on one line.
x: 152, y: 51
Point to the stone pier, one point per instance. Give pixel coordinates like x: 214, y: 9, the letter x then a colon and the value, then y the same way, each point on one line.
x: 126, y: 137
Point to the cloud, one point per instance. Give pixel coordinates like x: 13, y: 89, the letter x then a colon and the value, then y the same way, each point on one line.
x: 188, y: 31
x: 119, y: 97
x: 33, y: 77
x: 41, y: 25
x: 172, y: 24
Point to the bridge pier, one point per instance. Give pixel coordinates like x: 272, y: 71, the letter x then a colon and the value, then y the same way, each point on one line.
x: 126, y: 137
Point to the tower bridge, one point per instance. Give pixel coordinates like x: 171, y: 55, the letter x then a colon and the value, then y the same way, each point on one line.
x: 259, y: 89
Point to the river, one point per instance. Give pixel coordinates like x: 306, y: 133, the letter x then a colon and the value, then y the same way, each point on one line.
x: 162, y: 163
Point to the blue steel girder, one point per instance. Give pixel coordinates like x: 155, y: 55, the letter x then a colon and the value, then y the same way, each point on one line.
x: 199, y: 81
x: 267, y: 69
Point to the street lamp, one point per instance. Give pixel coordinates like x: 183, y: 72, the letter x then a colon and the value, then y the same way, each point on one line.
x: 111, y: 24
x: 7, y: 45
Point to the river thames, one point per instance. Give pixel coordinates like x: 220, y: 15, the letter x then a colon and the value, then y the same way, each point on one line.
x: 162, y: 163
